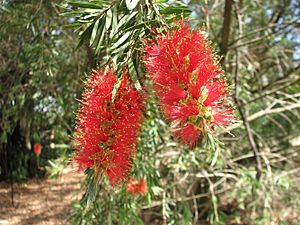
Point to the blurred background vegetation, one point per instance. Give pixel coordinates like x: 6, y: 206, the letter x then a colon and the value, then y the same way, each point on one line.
x: 252, y: 179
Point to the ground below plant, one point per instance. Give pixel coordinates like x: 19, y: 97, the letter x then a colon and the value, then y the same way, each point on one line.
x: 45, y: 202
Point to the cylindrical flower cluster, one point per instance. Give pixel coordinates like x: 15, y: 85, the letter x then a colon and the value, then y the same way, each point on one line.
x: 106, y: 130
x: 137, y: 187
x: 186, y: 78
x: 37, y: 148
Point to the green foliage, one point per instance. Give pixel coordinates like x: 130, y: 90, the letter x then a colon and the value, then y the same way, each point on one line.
x: 116, y: 29
x: 39, y: 76
x: 217, y: 183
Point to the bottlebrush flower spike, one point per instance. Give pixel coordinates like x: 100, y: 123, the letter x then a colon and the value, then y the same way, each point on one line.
x: 37, y: 148
x: 137, y: 187
x: 106, y: 131
x: 186, y: 78
x: 142, y: 186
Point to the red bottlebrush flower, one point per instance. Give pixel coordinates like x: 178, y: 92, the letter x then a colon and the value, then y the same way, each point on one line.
x: 131, y: 186
x: 106, y: 130
x: 186, y: 78
x: 137, y: 187
x: 142, y: 186
x: 37, y: 148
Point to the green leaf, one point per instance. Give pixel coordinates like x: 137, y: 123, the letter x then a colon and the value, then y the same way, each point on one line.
x: 215, y: 158
x: 85, y: 35
x: 187, y: 215
x: 94, y: 32
x: 121, y: 40
x: 114, y: 22
x: 131, y: 4
x: 139, y: 26
x: 92, y: 190
x: 4, y: 9
x: 108, y: 21
x: 133, y: 74
x: 174, y: 10
x: 115, y: 89
x: 3, y: 138
x: 211, y: 141
x: 156, y: 190
x: 102, y: 31
x: 88, y: 5
x: 125, y: 19
x: 121, y: 48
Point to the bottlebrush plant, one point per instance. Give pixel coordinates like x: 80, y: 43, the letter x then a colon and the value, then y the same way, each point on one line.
x: 107, y: 125
x: 186, y: 78
x: 136, y: 187
x: 111, y: 139
x: 37, y: 148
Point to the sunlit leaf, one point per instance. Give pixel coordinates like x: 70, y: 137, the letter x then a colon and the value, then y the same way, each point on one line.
x: 109, y: 17
x: 175, y: 10
x: 121, y: 40
x: 114, y: 24
x: 131, y: 4
x: 115, y: 89
x: 94, y: 32
x: 133, y: 74
x: 125, y: 19
x: 102, y: 31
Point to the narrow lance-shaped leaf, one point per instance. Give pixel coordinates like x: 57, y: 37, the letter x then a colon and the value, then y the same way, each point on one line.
x: 140, y: 25
x: 124, y: 20
x: 121, y: 48
x: 131, y: 4
x: 174, y: 10
x: 114, y: 23
x: 108, y: 21
x: 92, y: 188
x: 115, y: 89
x: 121, y: 40
x: 101, y: 31
x: 94, y: 32
x: 85, y: 35
x: 88, y: 5
x: 133, y: 74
